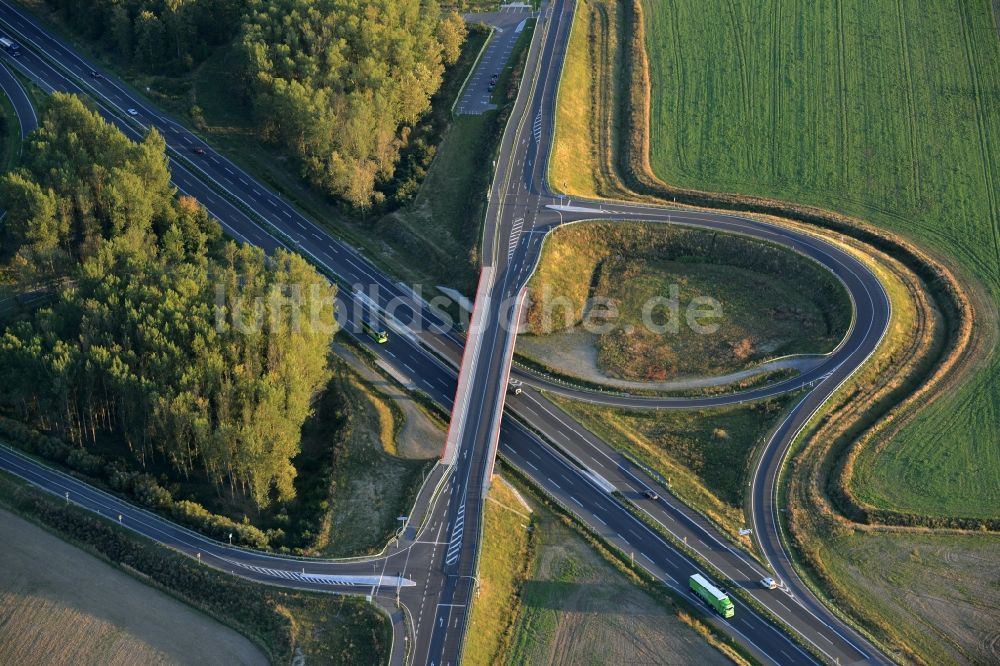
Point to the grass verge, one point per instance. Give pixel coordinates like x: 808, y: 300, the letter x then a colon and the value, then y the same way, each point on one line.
x: 703, y: 456
x: 507, y: 550
x: 565, y: 600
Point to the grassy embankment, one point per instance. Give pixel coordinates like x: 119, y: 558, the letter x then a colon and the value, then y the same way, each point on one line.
x: 764, y: 311
x: 705, y: 456
x: 857, y: 566
x: 58, y: 601
x: 432, y: 240
x: 371, y: 483
x: 283, y: 623
x: 508, y: 548
x: 549, y: 597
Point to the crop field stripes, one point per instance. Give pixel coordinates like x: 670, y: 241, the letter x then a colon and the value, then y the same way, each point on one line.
x: 907, y: 70
x: 843, y: 141
x: 984, y: 133
x: 776, y: 88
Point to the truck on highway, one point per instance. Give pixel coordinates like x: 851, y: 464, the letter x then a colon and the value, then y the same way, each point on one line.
x: 712, y: 595
x: 10, y: 46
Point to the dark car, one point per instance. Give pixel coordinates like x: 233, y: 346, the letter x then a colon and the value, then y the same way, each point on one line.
x: 199, y: 151
x: 94, y: 74
x: 651, y: 495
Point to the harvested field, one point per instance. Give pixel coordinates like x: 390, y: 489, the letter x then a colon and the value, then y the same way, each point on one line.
x: 59, y: 604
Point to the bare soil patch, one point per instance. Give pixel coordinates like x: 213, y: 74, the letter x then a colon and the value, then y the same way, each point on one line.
x: 61, y: 605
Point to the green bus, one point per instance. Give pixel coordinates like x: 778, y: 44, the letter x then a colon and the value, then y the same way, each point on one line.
x: 374, y: 332
x: 712, y: 595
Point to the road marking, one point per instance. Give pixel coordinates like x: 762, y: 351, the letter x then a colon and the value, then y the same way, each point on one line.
x: 553, y: 483
x: 599, y: 518
x: 577, y: 501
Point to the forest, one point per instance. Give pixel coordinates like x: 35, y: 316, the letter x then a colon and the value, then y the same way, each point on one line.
x: 159, y: 334
x: 157, y: 35
x: 340, y: 83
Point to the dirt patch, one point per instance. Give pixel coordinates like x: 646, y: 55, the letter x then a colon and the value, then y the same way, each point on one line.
x: 61, y: 605
x: 420, y: 436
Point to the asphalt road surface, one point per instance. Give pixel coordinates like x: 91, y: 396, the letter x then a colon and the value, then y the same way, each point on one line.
x: 521, y: 213
x: 507, y: 24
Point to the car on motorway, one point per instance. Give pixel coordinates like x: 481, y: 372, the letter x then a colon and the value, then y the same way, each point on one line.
x: 651, y: 495
x: 10, y: 46
x: 133, y: 112
x: 199, y: 151
x: 769, y: 583
x: 94, y: 74
x: 515, y: 386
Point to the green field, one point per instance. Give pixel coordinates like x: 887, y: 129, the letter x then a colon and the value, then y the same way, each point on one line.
x: 885, y: 110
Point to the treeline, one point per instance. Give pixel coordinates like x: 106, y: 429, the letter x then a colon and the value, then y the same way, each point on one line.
x: 340, y: 82
x: 202, y: 353
x: 158, y: 35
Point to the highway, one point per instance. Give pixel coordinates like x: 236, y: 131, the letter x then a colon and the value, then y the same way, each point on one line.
x: 522, y: 211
